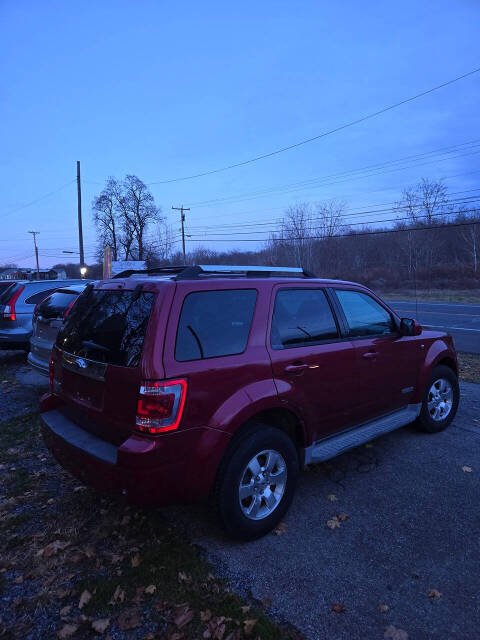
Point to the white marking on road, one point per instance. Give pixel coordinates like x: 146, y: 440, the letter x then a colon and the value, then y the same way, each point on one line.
x: 436, y: 326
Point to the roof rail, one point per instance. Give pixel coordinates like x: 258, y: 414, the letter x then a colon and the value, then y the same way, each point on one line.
x: 189, y: 272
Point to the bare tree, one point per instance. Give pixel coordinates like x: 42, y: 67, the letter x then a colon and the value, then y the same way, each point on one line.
x: 163, y: 240
x: 122, y: 213
x: 105, y: 217
x: 425, y: 202
x: 297, y: 231
x: 138, y: 210
x: 329, y: 218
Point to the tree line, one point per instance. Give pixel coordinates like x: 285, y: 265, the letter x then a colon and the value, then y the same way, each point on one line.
x: 432, y: 238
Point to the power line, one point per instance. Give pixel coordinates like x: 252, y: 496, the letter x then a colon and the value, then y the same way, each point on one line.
x: 323, y: 182
x: 471, y: 144
x: 29, y: 204
x: 321, y: 135
x: 351, y: 234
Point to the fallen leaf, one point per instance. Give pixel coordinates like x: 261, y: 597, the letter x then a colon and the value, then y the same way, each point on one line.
x: 248, y: 626
x: 333, y: 523
x: 383, y: 608
x: 184, y: 615
x: 332, y: 497
x: 342, y: 517
x: 129, y: 619
x: 392, y: 633
x: 84, y: 599
x: 434, y: 593
x: 81, y: 488
x: 118, y: 596
x: 245, y: 609
x: 18, y: 580
x: 67, y: 631
x: 135, y: 561
x: 206, y: 615
x: 100, y: 626
x: 52, y: 548
x: 280, y: 529
x: 338, y: 607
x: 183, y: 577
x: 150, y: 589
x: 467, y: 469
x: 64, y: 611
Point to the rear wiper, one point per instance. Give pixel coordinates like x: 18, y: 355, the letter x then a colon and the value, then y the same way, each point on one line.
x: 197, y: 340
x: 94, y: 345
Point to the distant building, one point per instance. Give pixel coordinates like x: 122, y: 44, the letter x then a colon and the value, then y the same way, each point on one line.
x: 16, y: 273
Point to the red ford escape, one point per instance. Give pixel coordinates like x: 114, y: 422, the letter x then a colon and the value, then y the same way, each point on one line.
x: 189, y: 383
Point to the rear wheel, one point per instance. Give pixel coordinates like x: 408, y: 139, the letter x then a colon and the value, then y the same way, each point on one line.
x: 440, y: 401
x: 256, y: 483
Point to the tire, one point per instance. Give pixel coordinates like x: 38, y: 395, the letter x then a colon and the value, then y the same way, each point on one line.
x: 266, y: 498
x: 439, y: 410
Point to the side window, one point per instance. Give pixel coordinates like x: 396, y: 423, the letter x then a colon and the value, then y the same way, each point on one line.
x: 301, y: 317
x: 38, y: 297
x: 214, y: 323
x: 365, y: 317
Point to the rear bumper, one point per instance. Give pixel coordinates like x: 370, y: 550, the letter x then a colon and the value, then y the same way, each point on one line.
x: 39, y: 365
x: 14, y: 338
x: 176, y: 467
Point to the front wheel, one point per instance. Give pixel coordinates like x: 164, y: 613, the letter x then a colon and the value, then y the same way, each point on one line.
x: 256, y: 483
x: 440, y: 402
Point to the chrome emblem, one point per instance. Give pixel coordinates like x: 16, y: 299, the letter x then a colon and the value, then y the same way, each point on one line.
x: 81, y: 363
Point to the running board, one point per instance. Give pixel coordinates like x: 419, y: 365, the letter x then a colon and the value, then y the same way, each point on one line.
x: 336, y: 444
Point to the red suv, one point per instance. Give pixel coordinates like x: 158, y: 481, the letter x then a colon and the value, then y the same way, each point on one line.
x: 188, y: 383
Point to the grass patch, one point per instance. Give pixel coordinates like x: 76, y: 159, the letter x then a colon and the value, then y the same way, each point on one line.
x: 434, y: 295
x: 469, y: 366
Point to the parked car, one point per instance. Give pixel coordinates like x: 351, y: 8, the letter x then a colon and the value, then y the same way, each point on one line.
x: 48, y: 316
x: 207, y: 382
x: 16, y: 310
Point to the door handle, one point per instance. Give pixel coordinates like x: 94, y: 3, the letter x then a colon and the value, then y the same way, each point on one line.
x: 370, y: 354
x: 295, y: 368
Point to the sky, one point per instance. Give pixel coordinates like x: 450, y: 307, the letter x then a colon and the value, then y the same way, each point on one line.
x: 165, y: 90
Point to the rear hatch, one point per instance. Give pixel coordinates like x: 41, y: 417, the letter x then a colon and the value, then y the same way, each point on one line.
x: 98, y: 359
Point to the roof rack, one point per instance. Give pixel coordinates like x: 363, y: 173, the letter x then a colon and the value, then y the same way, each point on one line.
x: 189, y: 272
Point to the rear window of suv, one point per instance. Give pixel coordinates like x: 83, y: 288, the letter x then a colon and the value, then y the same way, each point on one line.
x: 214, y: 324
x: 107, y: 326
x: 55, y: 305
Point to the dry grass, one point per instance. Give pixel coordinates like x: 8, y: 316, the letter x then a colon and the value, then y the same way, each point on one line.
x: 469, y: 365
x: 471, y: 296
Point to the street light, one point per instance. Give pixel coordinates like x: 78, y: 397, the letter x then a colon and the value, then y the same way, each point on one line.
x: 83, y: 271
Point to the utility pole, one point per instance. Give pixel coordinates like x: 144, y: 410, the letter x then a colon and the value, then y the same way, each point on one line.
x: 80, y: 229
x: 182, y: 218
x: 34, y: 234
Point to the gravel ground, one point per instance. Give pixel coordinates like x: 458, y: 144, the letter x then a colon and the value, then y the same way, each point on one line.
x: 412, y: 527
x: 403, y: 558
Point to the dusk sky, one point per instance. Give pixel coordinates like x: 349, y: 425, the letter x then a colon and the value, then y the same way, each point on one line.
x: 166, y: 90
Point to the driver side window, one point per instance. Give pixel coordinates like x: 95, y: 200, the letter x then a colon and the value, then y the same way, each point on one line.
x: 365, y: 317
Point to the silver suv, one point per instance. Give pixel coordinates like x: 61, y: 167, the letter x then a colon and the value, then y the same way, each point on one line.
x: 16, y: 309
x: 48, y: 317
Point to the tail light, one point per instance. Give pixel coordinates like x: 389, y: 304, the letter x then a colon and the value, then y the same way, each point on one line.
x: 51, y: 373
x: 160, y: 405
x: 9, y: 309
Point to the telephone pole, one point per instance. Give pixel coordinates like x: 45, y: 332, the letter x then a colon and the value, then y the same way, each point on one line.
x: 182, y: 218
x: 80, y: 229
x: 34, y: 234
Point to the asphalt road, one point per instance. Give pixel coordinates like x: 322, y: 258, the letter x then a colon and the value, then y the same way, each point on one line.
x: 461, y: 320
x: 414, y: 519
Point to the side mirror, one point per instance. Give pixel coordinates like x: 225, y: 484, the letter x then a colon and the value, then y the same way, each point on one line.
x: 410, y: 327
